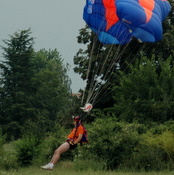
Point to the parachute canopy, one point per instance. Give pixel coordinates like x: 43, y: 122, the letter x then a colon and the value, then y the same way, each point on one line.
x: 117, y: 21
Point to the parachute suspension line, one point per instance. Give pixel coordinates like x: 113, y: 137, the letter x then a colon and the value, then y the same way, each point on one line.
x: 103, y: 89
x: 88, y: 70
x: 94, y: 80
x: 111, y: 90
x: 113, y: 60
x: 143, y: 47
x: 90, y: 64
x: 140, y: 49
x: 102, y: 92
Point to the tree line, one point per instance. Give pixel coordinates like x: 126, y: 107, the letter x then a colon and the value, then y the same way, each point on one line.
x: 34, y: 89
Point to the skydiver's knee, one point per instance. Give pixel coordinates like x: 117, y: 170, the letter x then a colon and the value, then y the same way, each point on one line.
x: 57, y: 151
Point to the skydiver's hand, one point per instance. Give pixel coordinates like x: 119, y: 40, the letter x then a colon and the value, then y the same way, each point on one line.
x: 71, y: 142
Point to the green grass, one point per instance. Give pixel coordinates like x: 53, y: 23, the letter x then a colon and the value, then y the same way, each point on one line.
x: 58, y: 171
x: 67, y: 169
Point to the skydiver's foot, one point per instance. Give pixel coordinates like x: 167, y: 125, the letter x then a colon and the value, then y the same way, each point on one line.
x: 48, y: 166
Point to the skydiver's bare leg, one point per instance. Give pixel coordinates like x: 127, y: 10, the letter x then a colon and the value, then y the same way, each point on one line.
x: 61, y: 149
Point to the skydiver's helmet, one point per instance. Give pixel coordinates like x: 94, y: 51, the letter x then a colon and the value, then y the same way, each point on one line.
x: 76, y: 118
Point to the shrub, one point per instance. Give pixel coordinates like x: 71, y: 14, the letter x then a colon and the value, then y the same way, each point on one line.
x: 27, y: 150
x: 1, y: 148
x: 9, y: 159
x: 145, y: 158
x: 128, y: 146
x: 164, y: 142
x: 111, y: 141
x: 155, y: 152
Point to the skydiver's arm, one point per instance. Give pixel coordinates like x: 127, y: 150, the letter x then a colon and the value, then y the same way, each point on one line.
x: 78, y: 139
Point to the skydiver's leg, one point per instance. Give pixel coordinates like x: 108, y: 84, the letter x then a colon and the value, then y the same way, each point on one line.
x: 61, y: 149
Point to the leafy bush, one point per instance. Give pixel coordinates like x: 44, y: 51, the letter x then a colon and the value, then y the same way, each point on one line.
x: 1, y: 147
x: 111, y: 141
x: 130, y: 146
x: 164, y: 142
x: 27, y: 150
x: 9, y: 159
x: 145, y: 158
x: 146, y: 93
x: 155, y: 152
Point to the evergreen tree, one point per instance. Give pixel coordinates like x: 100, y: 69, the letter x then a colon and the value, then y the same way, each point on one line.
x: 16, y: 74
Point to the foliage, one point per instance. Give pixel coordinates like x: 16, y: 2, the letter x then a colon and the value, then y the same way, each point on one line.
x: 116, y: 144
x: 27, y: 150
x: 113, y: 145
x: 145, y: 158
x: 1, y: 146
x: 111, y: 141
x: 163, y: 141
x: 135, y: 134
x: 146, y: 94
x: 34, y: 89
x: 51, y: 96
x: 153, y: 153
x: 9, y: 158
x: 16, y: 73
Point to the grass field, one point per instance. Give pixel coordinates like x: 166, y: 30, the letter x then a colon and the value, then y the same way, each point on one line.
x: 70, y: 171
x: 36, y: 171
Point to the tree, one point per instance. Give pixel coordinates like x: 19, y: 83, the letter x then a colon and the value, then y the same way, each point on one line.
x: 145, y: 94
x: 16, y: 74
x: 35, y: 89
x: 51, y: 97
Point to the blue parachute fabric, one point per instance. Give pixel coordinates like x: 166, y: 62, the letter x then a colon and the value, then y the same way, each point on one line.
x: 141, y: 19
x: 94, y: 16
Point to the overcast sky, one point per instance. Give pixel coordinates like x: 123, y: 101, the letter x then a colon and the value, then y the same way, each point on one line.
x: 54, y: 24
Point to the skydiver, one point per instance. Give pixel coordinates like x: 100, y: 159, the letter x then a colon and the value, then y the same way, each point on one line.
x: 73, y: 139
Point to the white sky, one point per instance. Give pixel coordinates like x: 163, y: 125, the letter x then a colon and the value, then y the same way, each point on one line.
x: 54, y: 24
